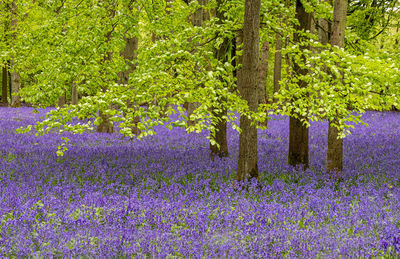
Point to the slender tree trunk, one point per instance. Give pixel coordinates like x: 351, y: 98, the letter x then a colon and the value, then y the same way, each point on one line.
x: 298, y: 132
x: 106, y: 126
x: 62, y: 100
x: 249, y: 84
x: 9, y: 81
x: 222, y: 53
x: 277, y: 63
x: 324, y: 31
x: 15, y: 86
x: 74, y: 94
x: 239, y: 58
x: 130, y: 53
x: 263, y: 74
x: 15, y: 78
x: 334, y: 155
x: 4, y: 99
x: 196, y: 20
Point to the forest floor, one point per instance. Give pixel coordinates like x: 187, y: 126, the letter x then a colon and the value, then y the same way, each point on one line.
x: 163, y: 196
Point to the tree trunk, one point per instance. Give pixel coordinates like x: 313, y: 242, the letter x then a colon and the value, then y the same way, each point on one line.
x: 277, y: 63
x: 130, y: 53
x: 74, y: 94
x: 62, y: 100
x: 239, y: 58
x: 324, y: 31
x: 298, y: 132
x: 105, y: 125
x: 222, y: 53
x: 4, y: 99
x: 334, y: 154
x: 249, y: 84
x: 262, y: 92
x: 15, y: 78
x: 9, y: 81
x: 15, y: 86
x: 197, y: 21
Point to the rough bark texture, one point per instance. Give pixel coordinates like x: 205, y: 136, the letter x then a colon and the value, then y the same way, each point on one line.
x: 334, y: 154
x: 221, y: 54
x: 249, y: 83
x: 4, y: 100
x: 263, y: 73
x: 298, y: 133
x: 277, y: 63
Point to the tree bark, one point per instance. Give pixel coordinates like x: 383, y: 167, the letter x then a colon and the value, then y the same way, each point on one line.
x: 277, y: 63
x: 130, y: 53
x: 334, y: 154
x: 74, y: 94
x: 263, y: 74
x: 4, y: 99
x: 249, y: 84
x: 221, y: 148
x: 239, y: 58
x: 15, y: 86
x: 196, y: 20
x: 15, y: 78
x: 105, y: 125
x: 298, y: 132
x: 62, y: 100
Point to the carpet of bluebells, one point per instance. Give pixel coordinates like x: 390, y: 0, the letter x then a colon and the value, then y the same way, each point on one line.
x: 110, y: 196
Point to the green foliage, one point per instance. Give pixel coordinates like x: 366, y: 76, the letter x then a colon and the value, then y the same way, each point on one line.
x: 58, y: 45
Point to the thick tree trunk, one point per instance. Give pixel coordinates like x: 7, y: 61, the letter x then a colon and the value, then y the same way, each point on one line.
x: 277, y: 63
x: 221, y: 148
x: 249, y: 83
x: 263, y: 74
x: 298, y: 132
x: 4, y: 99
x: 334, y: 154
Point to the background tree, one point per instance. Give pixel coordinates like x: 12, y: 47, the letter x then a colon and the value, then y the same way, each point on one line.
x: 334, y: 155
